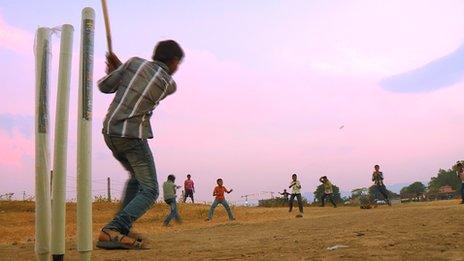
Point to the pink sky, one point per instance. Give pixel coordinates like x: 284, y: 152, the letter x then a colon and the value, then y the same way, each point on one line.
x: 262, y: 92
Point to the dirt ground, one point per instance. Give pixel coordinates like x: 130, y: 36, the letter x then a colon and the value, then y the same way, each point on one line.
x: 413, y: 231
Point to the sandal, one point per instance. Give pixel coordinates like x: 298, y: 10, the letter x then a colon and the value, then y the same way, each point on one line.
x: 135, y: 235
x: 113, y: 239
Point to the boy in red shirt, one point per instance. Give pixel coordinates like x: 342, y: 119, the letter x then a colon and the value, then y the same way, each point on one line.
x: 460, y: 173
x: 218, y: 192
x: 189, y: 188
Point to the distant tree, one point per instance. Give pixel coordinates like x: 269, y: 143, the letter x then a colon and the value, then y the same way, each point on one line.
x: 414, y: 190
x: 320, y: 191
x: 444, y: 178
x: 404, y: 192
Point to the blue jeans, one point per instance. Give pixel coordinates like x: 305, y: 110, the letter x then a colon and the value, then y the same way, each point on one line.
x: 300, y: 202
x: 383, y: 190
x: 330, y: 196
x: 462, y: 192
x: 141, y: 189
x: 174, y: 213
x: 226, y: 206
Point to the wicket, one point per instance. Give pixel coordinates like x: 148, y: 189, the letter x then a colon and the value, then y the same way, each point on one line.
x: 50, y: 214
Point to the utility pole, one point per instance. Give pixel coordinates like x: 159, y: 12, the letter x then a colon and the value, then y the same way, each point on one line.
x: 269, y: 192
x: 246, y: 198
x: 109, y: 189
x: 51, y: 182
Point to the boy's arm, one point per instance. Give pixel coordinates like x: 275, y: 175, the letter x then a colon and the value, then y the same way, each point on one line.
x: 229, y: 191
x: 115, y: 70
x: 161, y: 89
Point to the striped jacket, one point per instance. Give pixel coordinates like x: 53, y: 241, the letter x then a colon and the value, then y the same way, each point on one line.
x: 139, y: 86
x: 377, y: 177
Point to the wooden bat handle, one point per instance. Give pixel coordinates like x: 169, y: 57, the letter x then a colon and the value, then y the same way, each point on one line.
x: 107, y: 25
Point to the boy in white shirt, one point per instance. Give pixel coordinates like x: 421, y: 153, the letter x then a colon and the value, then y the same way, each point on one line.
x: 296, y: 192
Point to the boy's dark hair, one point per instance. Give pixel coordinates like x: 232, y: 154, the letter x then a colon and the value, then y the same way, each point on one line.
x: 219, y: 179
x: 294, y: 175
x: 324, y: 177
x: 376, y: 166
x: 171, y: 177
x: 166, y: 51
x: 459, y: 164
x: 188, y: 176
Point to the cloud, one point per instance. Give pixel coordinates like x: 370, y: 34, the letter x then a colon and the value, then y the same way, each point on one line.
x: 440, y: 73
x: 15, y: 39
x: 16, y: 149
x: 22, y: 124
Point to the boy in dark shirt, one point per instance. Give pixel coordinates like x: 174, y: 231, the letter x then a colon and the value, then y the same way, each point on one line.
x: 328, y: 191
x: 377, y: 177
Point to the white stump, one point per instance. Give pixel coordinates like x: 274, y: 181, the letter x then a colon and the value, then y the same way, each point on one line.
x: 61, y: 141
x: 84, y: 141
x: 42, y: 152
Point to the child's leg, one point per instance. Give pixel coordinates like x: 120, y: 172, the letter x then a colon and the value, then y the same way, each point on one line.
x: 138, y: 154
x: 227, y: 207
x: 211, y: 210
x: 323, y: 199
x: 175, y: 211
x: 171, y: 214
x: 130, y: 190
x: 332, y: 200
x: 462, y: 192
x: 292, y: 197
x: 300, y: 202
x: 132, y: 186
x: 384, y: 192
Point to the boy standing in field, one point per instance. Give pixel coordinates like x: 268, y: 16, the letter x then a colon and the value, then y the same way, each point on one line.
x: 189, y: 188
x: 460, y: 173
x: 296, y: 192
x: 328, y: 191
x: 169, y: 193
x: 285, y: 195
x: 218, y: 192
x: 139, y: 85
x: 377, y: 177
